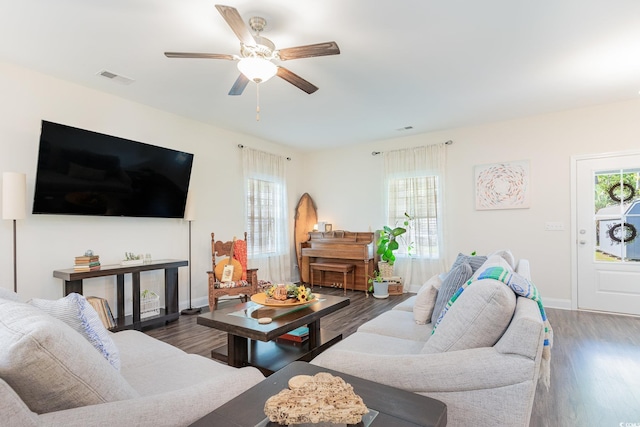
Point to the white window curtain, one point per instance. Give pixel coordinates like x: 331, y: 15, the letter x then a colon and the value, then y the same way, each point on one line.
x: 414, y: 182
x: 266, y: 214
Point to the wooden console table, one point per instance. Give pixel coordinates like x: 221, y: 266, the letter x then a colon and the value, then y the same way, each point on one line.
x: 73, y: 283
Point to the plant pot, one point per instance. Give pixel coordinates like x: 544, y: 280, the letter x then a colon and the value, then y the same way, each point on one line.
x: 381, y: 289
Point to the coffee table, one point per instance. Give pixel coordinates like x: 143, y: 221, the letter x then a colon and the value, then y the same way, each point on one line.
x: 250, y: 343
x: 396, y: 407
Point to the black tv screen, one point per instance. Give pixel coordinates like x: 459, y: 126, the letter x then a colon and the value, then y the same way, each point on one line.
x: 81, y: 172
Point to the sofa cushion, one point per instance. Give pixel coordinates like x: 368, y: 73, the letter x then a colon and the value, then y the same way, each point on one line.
x: 406, y: 305
x: 75, y: 311
x: 454, y: 280
x: 14, y: 411
x: 182, y: 372
x: 478, y: 318
x: 399, y: 324
x: 426, y: 300
x: 8, y: 295
x: 367, y: 343
x: 51, y: 366
x: 138, y: 349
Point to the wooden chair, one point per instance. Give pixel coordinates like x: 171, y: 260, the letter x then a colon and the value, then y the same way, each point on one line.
x: 246, y: 284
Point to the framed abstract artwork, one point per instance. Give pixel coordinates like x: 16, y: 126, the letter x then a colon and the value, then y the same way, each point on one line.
x: 502, y: 185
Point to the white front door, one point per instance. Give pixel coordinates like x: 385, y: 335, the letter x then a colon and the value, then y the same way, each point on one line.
x: 608, y: 233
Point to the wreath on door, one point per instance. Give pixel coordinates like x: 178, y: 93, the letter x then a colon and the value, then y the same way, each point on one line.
x: 621, y: 192
x: 629, y: 230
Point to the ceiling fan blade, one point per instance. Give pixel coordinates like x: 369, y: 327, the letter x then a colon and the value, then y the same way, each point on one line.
x: 308, y: 51
x: 233, y: 18
x: 239, y: 85
x: 296, y: 80
x: 199, y: 55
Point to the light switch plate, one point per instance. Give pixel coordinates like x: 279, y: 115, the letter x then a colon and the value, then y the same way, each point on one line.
x: 554, y: 226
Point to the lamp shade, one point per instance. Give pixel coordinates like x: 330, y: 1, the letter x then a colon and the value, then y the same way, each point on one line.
x: 190, y: 209
x: 257, y: 69
x: 14, y: 189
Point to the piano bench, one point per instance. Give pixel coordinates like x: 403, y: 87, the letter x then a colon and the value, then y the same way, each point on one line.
x: 340, y: 268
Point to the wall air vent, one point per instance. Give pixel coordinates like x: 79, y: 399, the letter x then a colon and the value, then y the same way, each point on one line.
x: 115, y: 77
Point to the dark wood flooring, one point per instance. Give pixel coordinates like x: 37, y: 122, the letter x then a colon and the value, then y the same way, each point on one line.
x: 595, y: 361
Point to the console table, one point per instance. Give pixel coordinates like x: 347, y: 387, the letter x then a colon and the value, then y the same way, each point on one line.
x: 73, y: 283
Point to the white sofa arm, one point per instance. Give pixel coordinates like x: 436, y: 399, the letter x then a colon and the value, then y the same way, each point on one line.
x: 475, y: 369
x: 175, y: 408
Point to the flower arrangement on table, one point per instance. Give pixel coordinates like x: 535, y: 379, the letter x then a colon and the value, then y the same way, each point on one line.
x: 288, y: 294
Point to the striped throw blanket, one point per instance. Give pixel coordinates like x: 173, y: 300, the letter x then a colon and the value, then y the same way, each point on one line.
x: 524, y: 288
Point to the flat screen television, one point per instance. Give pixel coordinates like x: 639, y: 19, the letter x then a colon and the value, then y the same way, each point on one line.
x: 81, y: 172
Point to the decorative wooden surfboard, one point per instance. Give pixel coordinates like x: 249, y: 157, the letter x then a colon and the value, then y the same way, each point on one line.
x: 306, y: 218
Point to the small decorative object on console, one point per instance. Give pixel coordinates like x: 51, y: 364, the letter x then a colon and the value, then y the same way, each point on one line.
x: 87, y: 262
x: 132, y: 259
x: 315, y: 399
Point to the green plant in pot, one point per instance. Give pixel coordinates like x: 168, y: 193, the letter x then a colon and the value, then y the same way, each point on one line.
x: 387, y: 242
x: 378, y: 285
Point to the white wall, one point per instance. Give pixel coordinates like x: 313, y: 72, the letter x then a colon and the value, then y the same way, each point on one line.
x: 50, y: 242
x: 345, y: 184
x: 548, y: 141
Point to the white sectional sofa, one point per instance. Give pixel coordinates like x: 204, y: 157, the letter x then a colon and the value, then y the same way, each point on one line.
x: 52, y: 375
x: 483, y: 359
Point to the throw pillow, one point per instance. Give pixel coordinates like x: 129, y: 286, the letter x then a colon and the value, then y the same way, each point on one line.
x: 493, y: 261
x: 478, y: 318
x: 426, y: 300
x: 51, y: 366
x: 507, y: 255
x: 475, y: 261
x: 454, y: 280
x: 75, y: 311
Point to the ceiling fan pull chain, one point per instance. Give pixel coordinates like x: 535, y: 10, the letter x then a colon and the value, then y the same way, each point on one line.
x: 258, y: 102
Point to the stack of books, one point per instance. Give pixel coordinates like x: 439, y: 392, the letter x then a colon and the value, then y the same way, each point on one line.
x: 104, y: 311
x: 298, y: 335
x: 87, y: 263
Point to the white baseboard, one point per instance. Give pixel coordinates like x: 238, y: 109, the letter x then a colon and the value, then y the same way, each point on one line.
x: 559, y: 303
x: 196, y: 302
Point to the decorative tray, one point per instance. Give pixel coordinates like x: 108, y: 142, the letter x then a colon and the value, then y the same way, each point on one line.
x: 262, y: 297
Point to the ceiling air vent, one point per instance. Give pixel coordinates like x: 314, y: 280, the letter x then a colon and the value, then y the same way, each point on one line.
x: 115, y: 77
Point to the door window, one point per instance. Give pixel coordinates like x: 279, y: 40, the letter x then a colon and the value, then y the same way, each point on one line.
x: 617, y: 215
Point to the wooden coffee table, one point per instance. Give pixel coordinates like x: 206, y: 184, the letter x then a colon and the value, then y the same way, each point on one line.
x: 396, y: 407
x: 250, y: 343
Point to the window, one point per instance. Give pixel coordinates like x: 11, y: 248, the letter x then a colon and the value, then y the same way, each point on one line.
x: 266, y: 214
x: 414, y: 183
x: 418, y: 197
x: 263, y: 217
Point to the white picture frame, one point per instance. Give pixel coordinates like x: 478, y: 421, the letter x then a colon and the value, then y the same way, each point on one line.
x: 504, y: 185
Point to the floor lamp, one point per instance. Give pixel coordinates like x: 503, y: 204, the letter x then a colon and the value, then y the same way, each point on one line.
x: 14, y: 187
x: 189, y: 215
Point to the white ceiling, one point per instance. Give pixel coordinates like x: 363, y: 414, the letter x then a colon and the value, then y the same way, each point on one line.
x: 428, y: 64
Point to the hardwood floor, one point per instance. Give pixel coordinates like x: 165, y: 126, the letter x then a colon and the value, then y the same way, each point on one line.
x: 595, y: 360
x: 595, y: 372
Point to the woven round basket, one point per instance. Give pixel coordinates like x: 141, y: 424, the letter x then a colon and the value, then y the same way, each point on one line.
x: 385, y: 269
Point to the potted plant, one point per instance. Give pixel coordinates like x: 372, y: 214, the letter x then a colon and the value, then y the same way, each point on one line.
x: 378, y: 285
x: 387, y: 244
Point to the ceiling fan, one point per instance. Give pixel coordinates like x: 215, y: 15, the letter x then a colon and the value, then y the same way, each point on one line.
x: 257, y: 53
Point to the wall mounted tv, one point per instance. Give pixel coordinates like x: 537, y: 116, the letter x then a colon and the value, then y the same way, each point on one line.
x: 88, y: 173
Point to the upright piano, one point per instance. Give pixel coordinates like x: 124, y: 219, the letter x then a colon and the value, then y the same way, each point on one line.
x: 339, y: 246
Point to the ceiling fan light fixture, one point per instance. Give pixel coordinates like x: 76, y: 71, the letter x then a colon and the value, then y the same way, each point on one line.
x: 258, y: 70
